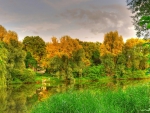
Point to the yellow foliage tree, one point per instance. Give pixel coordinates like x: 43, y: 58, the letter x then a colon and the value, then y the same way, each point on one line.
x: 136, y: 53
x: 3, y: 32
x: 66, y: 46
x: 11, y: 35
x: 69, y: 45
x: 130, y: 43
x: 52, y: 48
x: 113, y: 44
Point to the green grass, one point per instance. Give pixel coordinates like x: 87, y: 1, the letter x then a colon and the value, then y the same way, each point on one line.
x: 131, y: 100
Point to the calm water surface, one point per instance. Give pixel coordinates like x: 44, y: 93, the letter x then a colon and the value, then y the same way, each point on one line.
x: 21, y: 98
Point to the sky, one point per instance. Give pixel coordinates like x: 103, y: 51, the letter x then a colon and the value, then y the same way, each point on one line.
x: 87, y: 20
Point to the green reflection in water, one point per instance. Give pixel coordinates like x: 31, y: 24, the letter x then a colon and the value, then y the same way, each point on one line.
x: 21, y: 99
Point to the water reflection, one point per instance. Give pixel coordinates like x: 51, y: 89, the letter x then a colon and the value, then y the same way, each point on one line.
x: 13, y: 99
x: 21, y: 98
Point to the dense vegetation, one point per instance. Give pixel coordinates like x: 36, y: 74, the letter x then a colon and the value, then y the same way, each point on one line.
x: 130, y: 100
x: 70, y: 58
x: 12, y: 59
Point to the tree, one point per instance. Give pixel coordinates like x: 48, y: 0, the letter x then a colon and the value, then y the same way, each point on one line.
x: 2, y: 32
x: 3, y: 64
x: 36, y: 46
x: 140, y: 9
x: 30, y: 61
x: 145, y: 20
x: 136, y: 54
x: 63, y: 57
x: 109, y: 65
x: 112, y: 44
x: 12, y: 58
x: 132, y: 42
x: 110, y: 49
x: 120, y: 65
x: 91, y: 52
x: 10, y: 35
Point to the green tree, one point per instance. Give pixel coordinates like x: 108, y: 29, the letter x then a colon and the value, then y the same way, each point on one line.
x: 12, y: 58
x: 136, y: 54
x: 3, y: 63
x: 36, y: 46
x: 16, y: 57
x: 109, y: 65
x: 140, y: 9
x: 30, y: 61
x: 120, y: 65
x: 91, y: 52
x: 94, y: 72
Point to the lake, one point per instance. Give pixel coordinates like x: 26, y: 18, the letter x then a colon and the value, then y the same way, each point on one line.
x: 21, y: 98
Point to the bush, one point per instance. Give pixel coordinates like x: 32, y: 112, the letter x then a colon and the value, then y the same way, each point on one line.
x: 128, y: 74
x: 138, y: 74
x: 25, y: 75
x: 134, y: 74
x: 94, y: 72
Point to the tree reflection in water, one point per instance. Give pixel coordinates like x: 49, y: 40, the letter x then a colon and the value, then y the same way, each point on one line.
x: 21, y: 99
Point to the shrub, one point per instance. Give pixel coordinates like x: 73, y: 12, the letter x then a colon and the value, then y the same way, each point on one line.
x: 25, y: 75
x: 94, y: 72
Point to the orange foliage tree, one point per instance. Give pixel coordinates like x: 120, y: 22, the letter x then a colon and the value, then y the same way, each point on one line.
x: 65, y: 46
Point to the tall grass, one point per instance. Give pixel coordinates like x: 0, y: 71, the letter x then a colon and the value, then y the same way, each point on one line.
x: 131, y: 100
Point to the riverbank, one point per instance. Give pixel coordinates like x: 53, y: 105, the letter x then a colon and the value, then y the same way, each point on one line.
x: 44, y: 77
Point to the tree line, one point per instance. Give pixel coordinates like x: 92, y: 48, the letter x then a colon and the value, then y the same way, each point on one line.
x: 67, y: 58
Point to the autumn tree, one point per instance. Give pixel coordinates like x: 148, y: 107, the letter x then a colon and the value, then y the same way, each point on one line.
x: 112, y: 44
x: 9, y: 36
x: 62, y: 56
x: 136, y: 54
x: 110, y: 49
x: 2, y: 32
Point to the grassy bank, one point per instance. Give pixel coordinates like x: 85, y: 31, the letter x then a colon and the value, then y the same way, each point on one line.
x: 131, y: 100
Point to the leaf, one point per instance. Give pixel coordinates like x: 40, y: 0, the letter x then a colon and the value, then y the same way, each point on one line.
x: 148, y: 25
x: 1, y: 61
x: 145, y: 20
x: 149, y: 61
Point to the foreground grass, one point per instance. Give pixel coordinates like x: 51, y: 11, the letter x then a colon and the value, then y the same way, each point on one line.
x: 131, y: 100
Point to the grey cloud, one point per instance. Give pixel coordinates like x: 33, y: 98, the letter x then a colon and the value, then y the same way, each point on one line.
x: 35, y: 32
x: 100, y: 19
x: 39, y: 27
x: 62, y: 3
x: 79, y: 18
